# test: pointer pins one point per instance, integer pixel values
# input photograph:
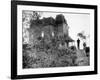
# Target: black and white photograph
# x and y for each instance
(53, 39)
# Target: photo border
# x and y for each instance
(14, 39)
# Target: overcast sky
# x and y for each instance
(77, 23)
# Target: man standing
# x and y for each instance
(78, 43)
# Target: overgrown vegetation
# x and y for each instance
(40, 56)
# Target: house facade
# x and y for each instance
(49, 28)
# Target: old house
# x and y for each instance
(49, 28)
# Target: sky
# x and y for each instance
(77, 22)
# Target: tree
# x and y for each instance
(27, 19)
(36, 15)
(81, 35)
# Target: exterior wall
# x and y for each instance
(48, 30)
(65, 29)
(36, 32)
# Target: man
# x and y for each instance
(78, 43)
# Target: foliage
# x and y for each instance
(40, 56)
(81, 35)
